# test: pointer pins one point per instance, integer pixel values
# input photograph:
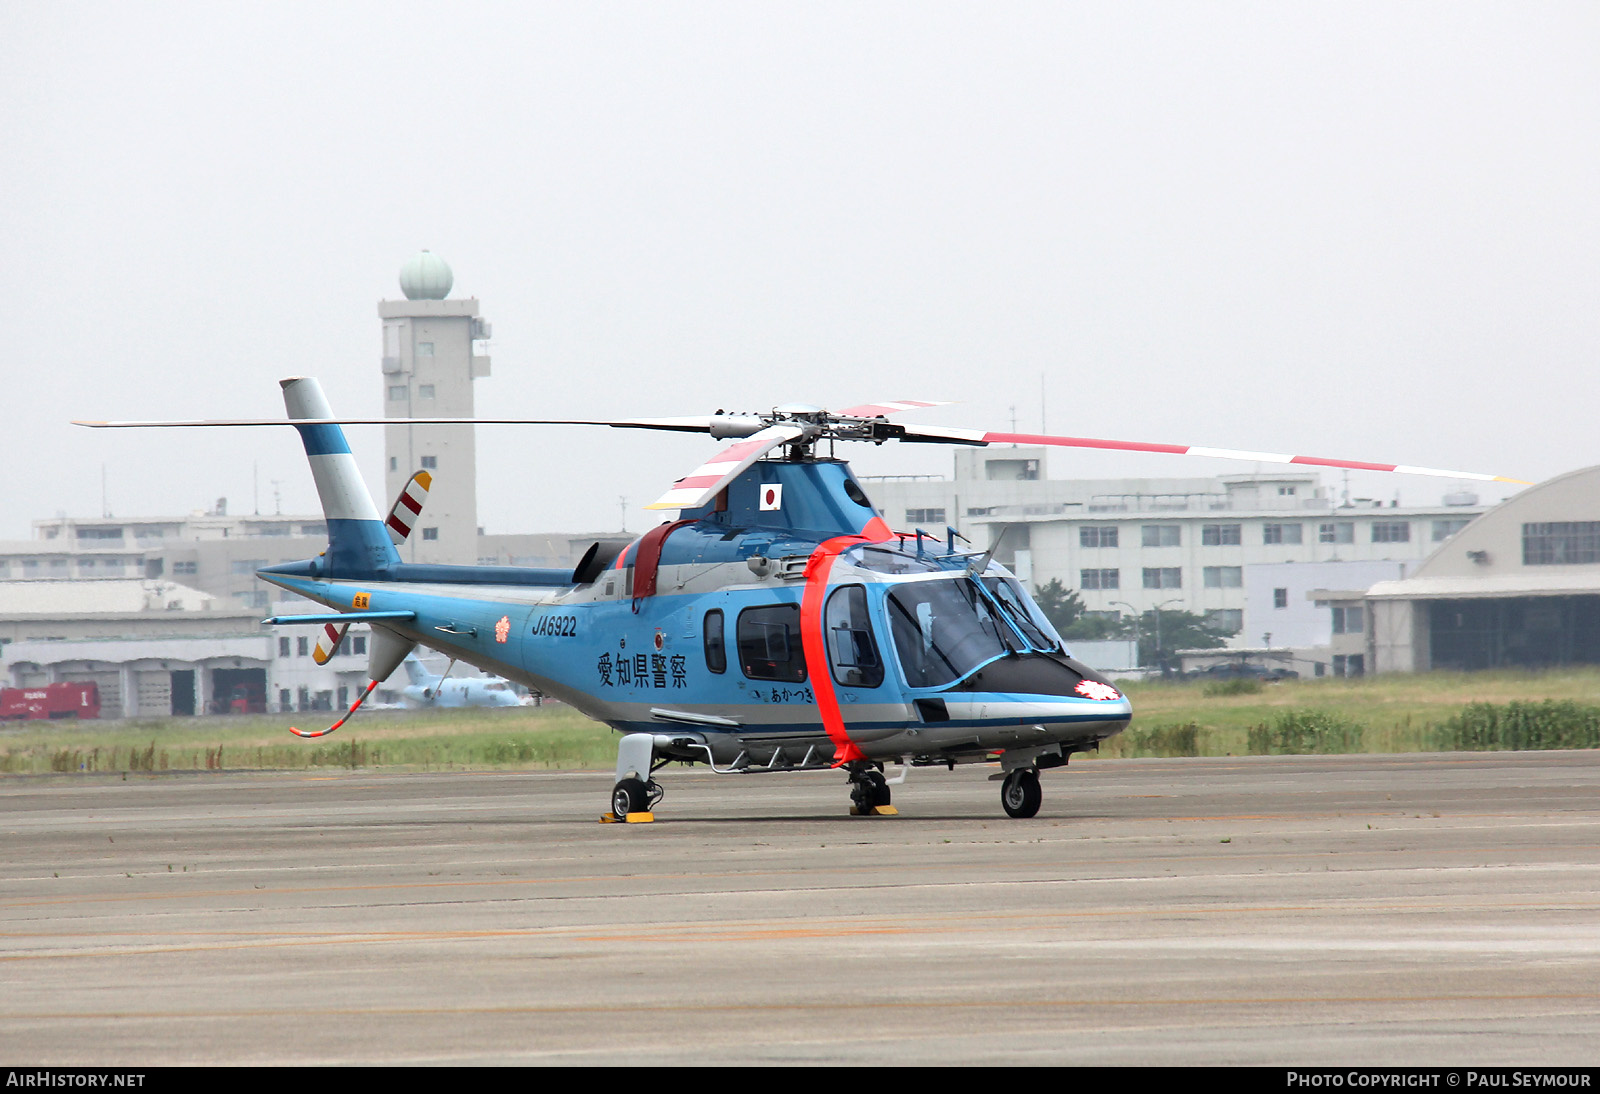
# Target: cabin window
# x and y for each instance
(851, 649)
(716, 645)
(769, 643)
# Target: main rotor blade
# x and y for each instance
(691, 424)
(702, 484)
(976, 437)
(883, 410)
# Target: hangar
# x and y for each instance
(1519, 587)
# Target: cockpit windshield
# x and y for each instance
(1020, 611)
(945, 629)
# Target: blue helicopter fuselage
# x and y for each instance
(783, 625)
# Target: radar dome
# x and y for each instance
(426, 276)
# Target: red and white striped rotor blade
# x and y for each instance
(978, 437)
(702, 484)
(883, 410)
(408, 507)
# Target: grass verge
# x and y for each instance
(1436, 712)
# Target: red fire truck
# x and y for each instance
(64, 700)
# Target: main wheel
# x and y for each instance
(1020, 794)
(880, 788)
(630, 796)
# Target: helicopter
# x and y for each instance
(778, 624)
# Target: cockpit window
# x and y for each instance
(944, 630)
(1036, 629)
(885, 559)
(852, 651)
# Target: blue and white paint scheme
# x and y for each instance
(776, 626)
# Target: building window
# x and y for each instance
(359, 645)
(1444, 529)
(1223, 577)
(1561, 543)
(1097, 537)
(394, 463)
(430, 533)
(1099, 579)
(1353, 665)
(1280, 598)
(185, 567)
(1226, 620)
(430, 463)
(100, 533)
(1349, 620)
(1342, 531)
(1163, 577)
(1280, 533)
(302, 647)
(283, 647)
(924, 516)
(1286, 491)
(397, 393)
(1220, 535)
(1391, 531)
(424, 349)
(1161, 535)
(424, 391)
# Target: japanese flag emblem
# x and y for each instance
(771, 496)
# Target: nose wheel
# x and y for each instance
(869, 793)
(1020, 794)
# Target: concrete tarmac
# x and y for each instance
(1350, 910)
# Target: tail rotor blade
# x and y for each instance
(408, 507)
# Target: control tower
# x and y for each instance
(428, 369)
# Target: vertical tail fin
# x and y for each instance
(358, 543)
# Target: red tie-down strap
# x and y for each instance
(814, 641)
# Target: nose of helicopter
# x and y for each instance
(1047, 674)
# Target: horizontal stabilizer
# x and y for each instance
(337, 617)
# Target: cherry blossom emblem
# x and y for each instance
(1094, 689)
(502, 629)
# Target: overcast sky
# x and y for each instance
(1356, 230)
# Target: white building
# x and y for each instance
(210, 551)
(1132, 545)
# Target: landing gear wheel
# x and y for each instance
(868, 790)
(880, 788)
(630, 796)
(1020, 794)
